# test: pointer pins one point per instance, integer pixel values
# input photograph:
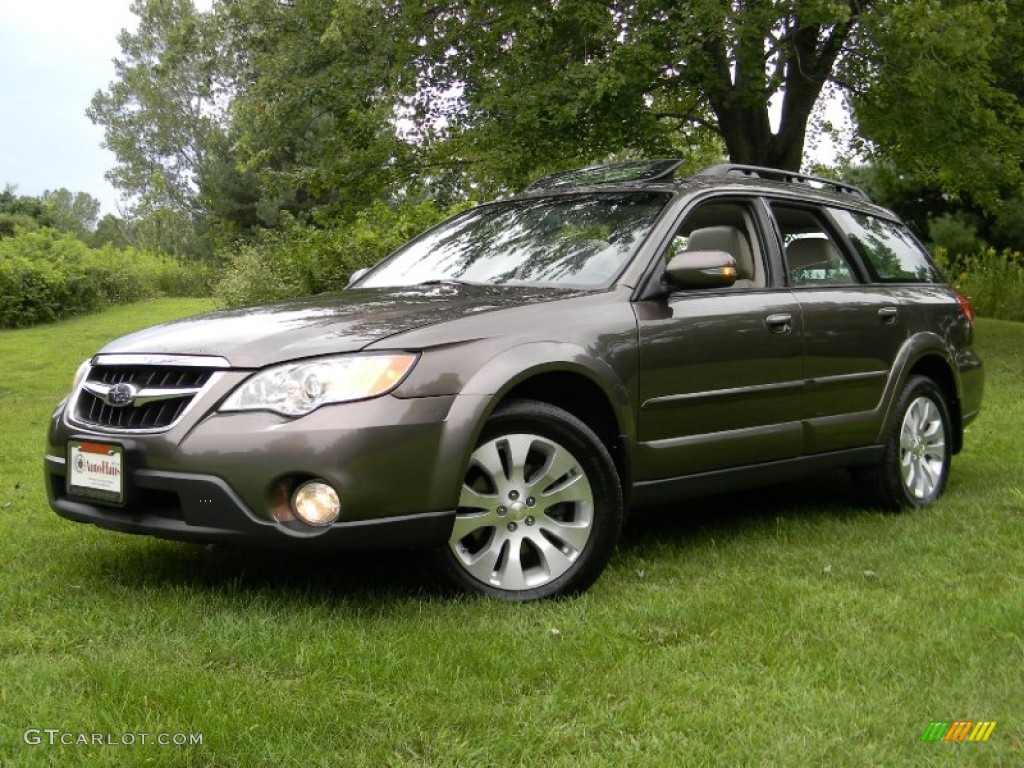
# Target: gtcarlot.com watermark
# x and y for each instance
(55, 736)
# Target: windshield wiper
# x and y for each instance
(446, 281)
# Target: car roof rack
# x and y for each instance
(790, 177)
(611, 173)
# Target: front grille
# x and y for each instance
(92, 410)
(157, 405)
(151, 376)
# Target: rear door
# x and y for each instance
(853, 328)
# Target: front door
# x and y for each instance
(721, 378)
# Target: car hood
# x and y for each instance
(347, 321)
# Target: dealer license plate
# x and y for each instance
(96, 470)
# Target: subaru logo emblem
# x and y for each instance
(120, 395)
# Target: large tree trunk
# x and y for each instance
(742, 91)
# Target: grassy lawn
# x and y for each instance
(785, 627)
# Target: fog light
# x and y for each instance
(316, 503)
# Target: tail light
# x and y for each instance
(965, 305)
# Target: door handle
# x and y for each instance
(779, 323)
(888, 315)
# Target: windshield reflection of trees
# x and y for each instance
(550, 241)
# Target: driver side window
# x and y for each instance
(723, 227)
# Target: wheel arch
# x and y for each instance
(565, 376)
(926, 355)
(578, 394)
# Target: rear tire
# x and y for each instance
(540, 510)
(915, 467)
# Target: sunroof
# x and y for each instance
(614, 173)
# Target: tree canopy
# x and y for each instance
(258, 113)
(75, 213)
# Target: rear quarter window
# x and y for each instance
(889, 252)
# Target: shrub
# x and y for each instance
(299, 260)
(955, 233)
(47, 275)
(994, 281)
(252, 277)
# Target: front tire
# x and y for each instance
(540, 509)
(915, 467)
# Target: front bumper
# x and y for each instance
(396, 464)
(203, 508)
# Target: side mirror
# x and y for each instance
(702, 269)
(355, 276)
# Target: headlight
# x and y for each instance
(295, 389)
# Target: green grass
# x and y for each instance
(783, 627)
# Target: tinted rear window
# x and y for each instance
(888, 250)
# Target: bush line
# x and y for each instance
(47, 275)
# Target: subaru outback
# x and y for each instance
(500, 390)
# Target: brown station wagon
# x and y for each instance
(502, 388)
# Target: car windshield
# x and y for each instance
(570, 242)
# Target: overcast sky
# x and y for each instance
(54, 55)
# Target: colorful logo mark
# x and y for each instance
(961, 730)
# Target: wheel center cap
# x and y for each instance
(516, 511)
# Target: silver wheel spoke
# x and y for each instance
(920, 480)
(560, 463)
(482, 564)
(577, 489)
(574, 535)
(488, 460)
(466, 524)
(511, 575)
(518, 450)
(906, 440)
(553, 558)
(473, 499)
(930, 471)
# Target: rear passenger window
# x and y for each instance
(812, 256)
(889, 251)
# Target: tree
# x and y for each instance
(72, 212)
(114, 230)
(61, 209)
(588, 78)
(539, 82)
(166, 106)
(18, 212)
(937, 90)
(313, 129)
(315, 108)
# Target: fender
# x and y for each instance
(918, 347)
(502, 373)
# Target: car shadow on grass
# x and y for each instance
(828, 496)
(145, 563)
(149, 563)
